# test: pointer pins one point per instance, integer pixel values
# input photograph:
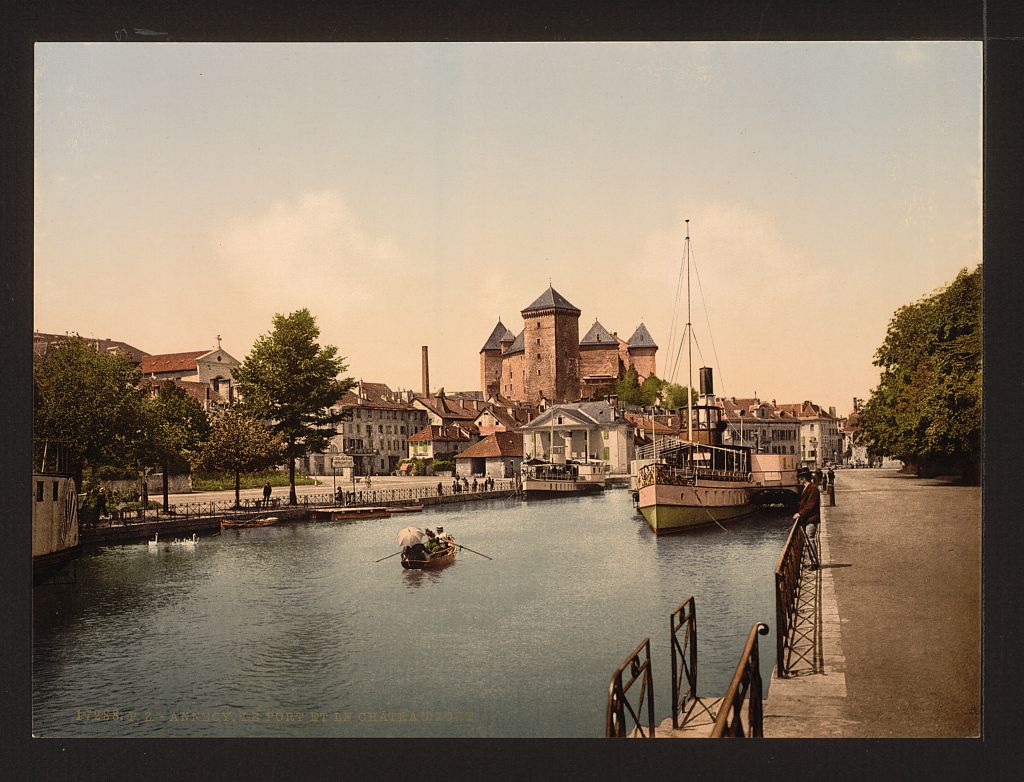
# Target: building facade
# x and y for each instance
(582, 431)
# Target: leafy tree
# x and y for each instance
(175, 424)
(238, 443)
(90, 402)
(291, 381)
(650, 391)
(926, 409)
(673, 396)
(628, 389)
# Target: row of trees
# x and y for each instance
(926, 410)
(99, 408)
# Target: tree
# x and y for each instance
(926, 409)
(291, 381)
(650, 391)
(175, 424)
(628, 389)
(238, 443)
(90, 402)
(673, 396)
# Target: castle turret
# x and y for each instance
(490, 359)
(642, 350)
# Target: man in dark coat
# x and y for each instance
(266, 494)
(809, 516)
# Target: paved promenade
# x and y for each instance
(899, 613)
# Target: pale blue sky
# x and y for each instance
(409, 194)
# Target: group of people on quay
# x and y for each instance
(463, 485)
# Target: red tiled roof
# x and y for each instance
(433, 434)
(644, 423)
(170, 362)
(497, 444)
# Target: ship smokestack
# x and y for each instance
(707, 385)
(426, 374)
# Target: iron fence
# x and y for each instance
(619, 706)
(787, 598)
(686, 703)
(744, 690)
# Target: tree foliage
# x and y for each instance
(90, 402)
(291, 381)
(238, 443)
(673, 396)
(653, 391)
(926, 410)
(174, 424)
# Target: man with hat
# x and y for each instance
(809, 515)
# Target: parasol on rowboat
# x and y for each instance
(410, 536)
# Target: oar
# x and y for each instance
(467, 548)
(389, 556)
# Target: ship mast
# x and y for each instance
(689, 345)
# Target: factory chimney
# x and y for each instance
(426, 374)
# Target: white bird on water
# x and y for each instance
(187, 542)
(153, 543)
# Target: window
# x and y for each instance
(55, 490)
(39, 491)
(538, 340)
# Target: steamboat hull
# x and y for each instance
(669, 508)
(535, 489)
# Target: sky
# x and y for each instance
(412, 194)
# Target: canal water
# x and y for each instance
(295, 631)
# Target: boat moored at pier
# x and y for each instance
(543, 479)
(55, 542)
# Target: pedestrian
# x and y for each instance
(440, 489)
(474, 484)
(266, 494)
(819, 476)
(831, 477)
(101, 503)
(809, 516)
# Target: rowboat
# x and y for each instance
(437, 559)
(266, 521)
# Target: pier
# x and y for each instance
(884, 640)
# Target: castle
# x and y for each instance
(548, 360)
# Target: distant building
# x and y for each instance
(377, 434)
(438, 442)
(206, 375)
(583, 431)
(547, 360)
(499, 455)
(820, 438)
(761, 426)
(41, 343)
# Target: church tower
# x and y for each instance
(551, 343)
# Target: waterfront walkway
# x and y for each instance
(899, 611)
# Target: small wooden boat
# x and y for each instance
(345, 514)
(265, 521)
(437, 559)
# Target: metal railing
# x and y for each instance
(686, 704)
(794, 606)
(744, 690)
(619, 706)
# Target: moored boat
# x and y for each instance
(543, 479)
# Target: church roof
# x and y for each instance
(641, 338)
(499, 333)
(518, 346)
(551, 299)
(598, 335)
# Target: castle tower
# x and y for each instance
(599, 362)
(490, 359)
(642, 350)
(551, 343)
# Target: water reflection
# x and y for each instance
(300, 618)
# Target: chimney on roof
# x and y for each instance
(773, 403)
(426, 374)
(832, 411)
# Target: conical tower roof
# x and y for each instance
(598, 335)
(499, 333)
(519, 345)
(641, 338)
(551, 299)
